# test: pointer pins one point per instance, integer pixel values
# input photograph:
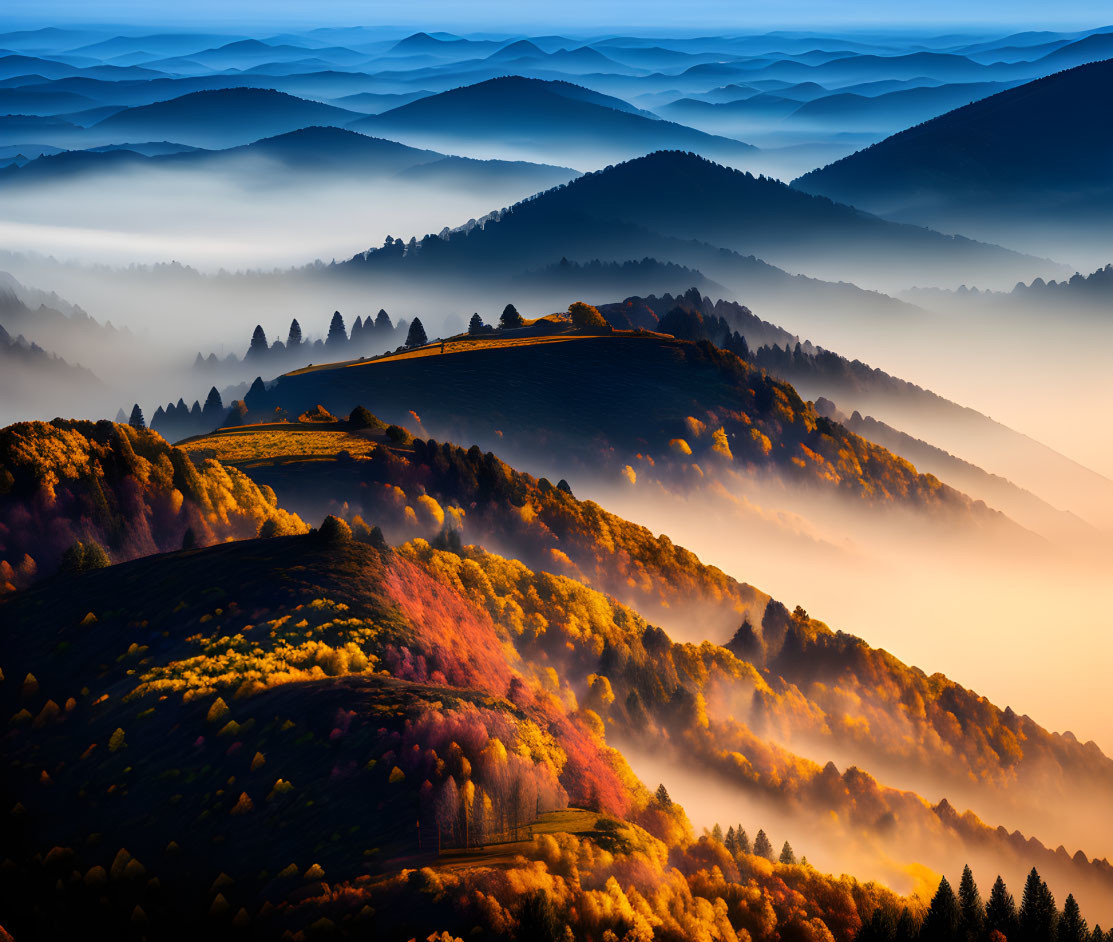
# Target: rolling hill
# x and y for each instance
(699, 209)
(283, 686)
(220, 118)
(618, 400)
(985, 163)
(301, 156)
(526, 118)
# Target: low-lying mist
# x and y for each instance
(907, 858)
(259, 216)
(982, 608)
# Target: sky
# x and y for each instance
(624, 15)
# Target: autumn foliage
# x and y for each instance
(120, 487)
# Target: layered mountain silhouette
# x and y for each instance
(305, 154)
(221, 118)
(528, 118)
(699, 209)
(281, 686)
(1042, 149)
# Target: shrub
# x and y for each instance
(316, 415)
(361, 418)
(585, 317)
(82, 557)
(398, 435)
(335, 530)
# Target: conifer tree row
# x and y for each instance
(964, 918)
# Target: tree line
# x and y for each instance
(737, 841)
(367, 336)
(965, 918)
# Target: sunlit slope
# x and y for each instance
(836, 696)
(124, 489)
(610, 401)
(281, 781)
(336, 694)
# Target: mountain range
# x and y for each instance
(709, 218)
(301, 156)
(982, 165)
(529, 118)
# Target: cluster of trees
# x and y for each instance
(177, 421)
(737, 841)
(510, 319)
(368, 336)
(643, 687)
(118, 490)
(479, 782)
(964, 917)
(18, 350)
(694, 316)
(1096, 287)
(417, 492)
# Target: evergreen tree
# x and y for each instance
(907, 930)
(787, 856)
(882, 927)
(1038, 913)
(259, 346)
(1072, 927)
(416, 336)
(1000, 911)
(717, 833)
(377, 540)
(731, 841)
(136, 420)
(762, 847)
(510, 318)
(1098, 936)
(382, 322)
(121, 418)
(334, 530)
(256, 394)
(293, 339)
(475, 325)
(943, 919)
(970, 906)
(73, 559)
(337, 334)
(95, 556)
(213, 410)
(743, 841)
(662, 796)
(195, 412)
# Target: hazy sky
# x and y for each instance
(627, 15)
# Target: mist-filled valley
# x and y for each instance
(554, 482)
